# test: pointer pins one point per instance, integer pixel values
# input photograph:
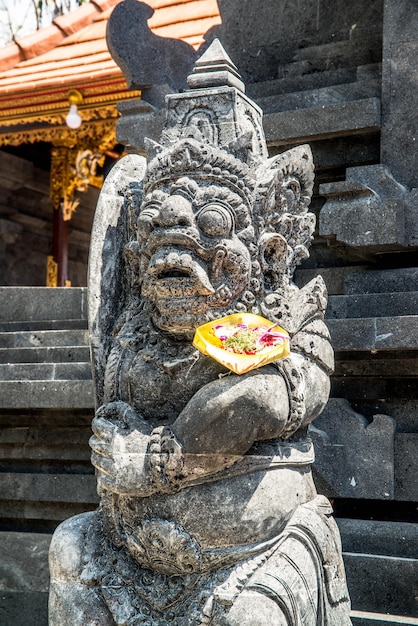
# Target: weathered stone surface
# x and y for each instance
(208, 508)
(322, 122)
(369, 473)
(399, 74)
(39, 394)
(41, 303)
(71, 337)
(20, 571)
(375, 578)
(383, 281)
(45, 354)
(373, 305)
(381, 333)
(406, 484)
(366, 210)
(39, 488)
(397, 539)
(26, 371)
(24, 605)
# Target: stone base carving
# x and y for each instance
(166, 578)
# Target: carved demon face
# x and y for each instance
(195, 261)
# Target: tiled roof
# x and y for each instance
(73, 51)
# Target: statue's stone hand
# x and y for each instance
(119, 449)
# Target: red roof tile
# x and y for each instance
(73, 49)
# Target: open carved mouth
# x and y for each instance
(177, 273)
(174, 273)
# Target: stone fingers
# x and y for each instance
(104, 465)
(103, 429)
(99, 447)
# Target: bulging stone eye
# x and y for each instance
(215, 221)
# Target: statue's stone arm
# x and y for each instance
(216, 428)
(218, 425)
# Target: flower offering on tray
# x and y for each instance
(242, 341)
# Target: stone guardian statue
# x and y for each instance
(208, 513)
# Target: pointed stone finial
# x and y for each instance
(215, 69)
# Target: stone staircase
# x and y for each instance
(46, 406)
(367, 437)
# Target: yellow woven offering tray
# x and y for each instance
(242, 341)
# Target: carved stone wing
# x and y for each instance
(110, 278)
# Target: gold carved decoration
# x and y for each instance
(75, 156)
(63, 134)
(51, 272)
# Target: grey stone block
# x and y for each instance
(397, 333)
(335, 278)
(24, 578)
(320, 97)
(382, 584)
(75, 394)
(369, 473)
(372, 367)
(26, 371)
(366, 210)
(323, 122)
(21, 608)
(383, 333)
(139, 121)
(24, 561)
(406, 467)
(45, 371)
(397, 539)
(400, 74)
(349, 335)
(49, 514)
(373, 305)
(381, 281)
(45, 355)
(42, 303)
(49, 488)
(44, 338)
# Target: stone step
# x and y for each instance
(41, 325)
(49, 354)
(59, 488)
(382, 281)
(43, 338)
(397, 539)
(42, 303)
(373, 305)
(320, 96)
(46, 394)
(294, 77)
(382, 584)
(78, 370)
(364, 618)
(19, 444)
(373, 334)
(351, 280)
(324, 121)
